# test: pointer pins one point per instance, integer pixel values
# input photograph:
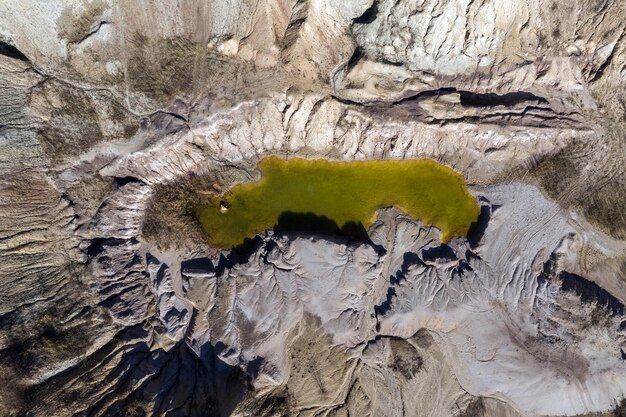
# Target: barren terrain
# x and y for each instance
(116, 117)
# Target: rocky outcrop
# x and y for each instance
(107, 106)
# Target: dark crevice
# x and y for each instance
(426, 94)
(197, 265)
(462, 268)
(393, 64)
(368, 16)
(478, 228)
(121, 181)
(168, 122)
(241, 253)
(357, 55)
(409, 259)
(93, 32)
(96, 246)
(471, 99)
(548, 270)
(299, 14)
(589, 292)
(598, 74)
(380, 337)
(347, 101)
(608, 61)
(382, 308)
(12, 52)
(176, 116)
(441, 252)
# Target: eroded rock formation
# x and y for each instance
(115, 116)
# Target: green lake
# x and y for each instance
(338, 196)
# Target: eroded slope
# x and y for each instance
(106, 106)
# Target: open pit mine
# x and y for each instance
(312, 208)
